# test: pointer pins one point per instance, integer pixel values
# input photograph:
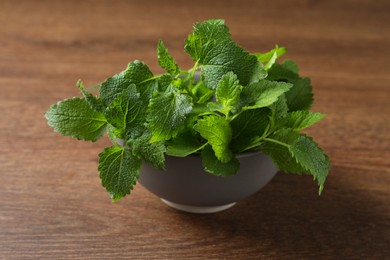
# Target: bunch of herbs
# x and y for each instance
(241, 102)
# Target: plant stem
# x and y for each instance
(193, 70)
(260, 140)
(189, 92)
(152, 78)
(254, 145)
(93, 87)
(276, 142)
(188, 87)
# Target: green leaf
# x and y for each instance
(299, 120)
(216, 130)
(126, 110)
(270, 57)
(136, 73)
(112, 87)
(263, 93)
(94, 102)
(309, 158)
(153, 153)
(118, 170)
(113, 134)
(282, 157)
(198, 111)
(165, 60)
(202, 92)
(300, 96)
(167, 114)
(247, 126)
(291, 65)
(228, 93)
(222, 57)
(210, 45)
(184, 145)
(164, 83)
(279, 107)
(213, 165)
(279, 72)
(204, 33)
(75, 118)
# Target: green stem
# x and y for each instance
(189, 92)
(260, 140)
(227, 116)
(276, 142)
(188, 87)
(93, 87)
(192, 73)
(254, 145)
(183, 72)
(193, 70)
(152, 78)
(265, 132)
(235, 115)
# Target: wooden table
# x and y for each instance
(52, 205)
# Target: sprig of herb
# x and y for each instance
(242, 102)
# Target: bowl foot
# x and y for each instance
(198, 209)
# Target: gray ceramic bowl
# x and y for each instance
(185, 186)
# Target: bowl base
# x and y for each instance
(198, 209)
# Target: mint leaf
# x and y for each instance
(198, 111)
(299, 120)
(213, 165)
(184, 145)
(94, 102)
(222, 57)
(291, 66)
(282, 156)
(270, 57)
(300, 96)
(210, 45)
(113, 134)
(279, 72)
(167, 114)
(126, 110)
(204, 33)
(217, 132)
(228, 93)
(263, 93)
(165, 60)
(136, 73)
(164, 82)
(153, 153)
(279, 108)
(309, 158)
(247, 126)
(202, 93)
(118, 170)
(113, 87)
(75, 118)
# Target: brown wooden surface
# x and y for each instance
(52, 204)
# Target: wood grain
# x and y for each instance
(52, 205)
